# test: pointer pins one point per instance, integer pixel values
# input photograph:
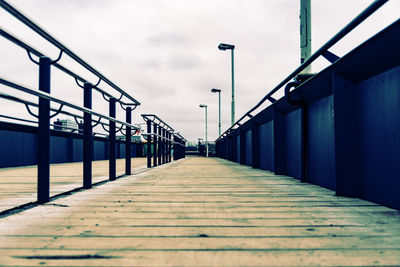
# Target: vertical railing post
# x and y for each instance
(148, 144)
(128, 141)
(112, 159)
(169, 146)
(171, 136)
(159, 145)
(164, 155)
(162, 146)
(155, 145)
(175, 148)
(43, 183)
(87, 137)
(168, 152)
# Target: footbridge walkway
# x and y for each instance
(203, 212)
(298, 181)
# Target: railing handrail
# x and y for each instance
(30, 103)
(338, 36)
(28, 22)
(180, 136)
(17, 41)
(63, 102)
(155, 117)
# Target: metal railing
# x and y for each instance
(45, 99)
(63, 49)
(323, 51)
(161, 137)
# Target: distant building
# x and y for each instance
(65, 125)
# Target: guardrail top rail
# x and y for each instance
(63, 49)
(181, 137)
(320, 52)
(155, 119)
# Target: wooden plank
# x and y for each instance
(179, 214)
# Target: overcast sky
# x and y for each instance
(164, 52)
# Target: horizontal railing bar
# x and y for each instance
(28, 22)
(34, 51)
(157, 135)
(23, 101)
(78, 131)
(343, 32)
(162, 137)
(180, 136)
(54, 99)
(147, 117)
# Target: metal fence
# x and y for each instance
(162, 142)
(45, 98)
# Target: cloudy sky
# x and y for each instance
(164, 52)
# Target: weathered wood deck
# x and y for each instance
(203, 212)
(18, 185)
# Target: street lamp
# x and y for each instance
(205, 106)
(224, 47)
(214, 90)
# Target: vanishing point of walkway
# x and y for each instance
(202, 212)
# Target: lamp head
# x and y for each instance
(223, 46)
(202, 105)
(214, 90)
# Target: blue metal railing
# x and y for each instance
(320, 52)
(63, 49)
(44, 108)
(162, 138)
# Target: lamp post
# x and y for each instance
(305, 33)
(205, 106)
(224, 47)
(214, 90)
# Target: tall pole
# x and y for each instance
(305, 33)
(206, 135)
(233, 90)
(219, 113)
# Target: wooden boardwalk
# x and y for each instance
(18, 185)
(203, 212)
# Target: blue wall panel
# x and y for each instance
(266, 141)
(321, 143)
(59, 149)
(23, 146)
(248, 148)
(122, 150)
(225, 153)
(379, 137)
(99, 147)
(78, 150)
(293, 143)
(237, 140)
